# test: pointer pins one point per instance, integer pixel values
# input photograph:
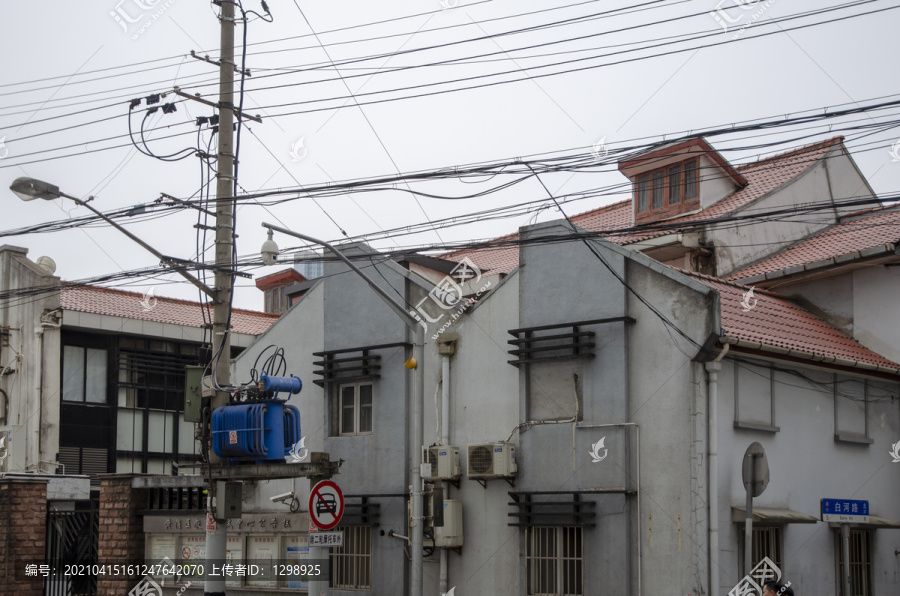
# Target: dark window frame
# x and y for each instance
(356, 409)
(655, 196)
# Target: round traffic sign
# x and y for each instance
(326, 504)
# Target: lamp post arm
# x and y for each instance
(398, 308)
(206, 289)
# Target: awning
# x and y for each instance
(773, 516)
(875, 522)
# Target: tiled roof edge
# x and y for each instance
(735, 341)
(795, 152)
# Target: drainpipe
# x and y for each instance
(446, 350)
(712, 369)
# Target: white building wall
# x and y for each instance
(862, 303)
(807, 464)
(31, 350)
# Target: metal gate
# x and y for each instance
(72, 540)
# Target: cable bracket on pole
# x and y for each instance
(212, 104)
(206, 58)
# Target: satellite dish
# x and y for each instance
(47, 264)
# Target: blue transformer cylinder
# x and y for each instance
(255, 432)
(292, 385)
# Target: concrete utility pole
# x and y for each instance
(216, 540)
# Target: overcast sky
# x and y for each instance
(52, 49)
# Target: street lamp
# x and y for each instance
(269, 250)
(29, 189)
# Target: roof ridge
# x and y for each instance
(793, 152)
(728, 282)
(602, 208)
(67, 285)
(884, 208)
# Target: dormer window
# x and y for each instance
(667, 191)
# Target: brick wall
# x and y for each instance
(121, 539)
(23, 520)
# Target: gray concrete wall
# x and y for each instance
(807, 464)
(832, 179)
(32, 418)
(342, 311)
(668, 401)
(640, 373)
(484, 408)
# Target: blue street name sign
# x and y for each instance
(845, 511)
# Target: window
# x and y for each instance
(84, 374)
(351, 564)
(675, 184)
(643, 193)
(665, 191)
(851, 410)
(355, 409)
(690, 180)
(554, 561)
(659, 188)
(277, 300)
(150, 432)
(860, 562)
(766, 543)
(754, 395)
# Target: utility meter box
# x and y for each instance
(228, 500)
(450, 535)
(193, 393)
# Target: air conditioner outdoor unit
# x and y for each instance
(450, 535)
(444, 462)
(491, 460)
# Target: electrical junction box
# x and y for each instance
(193, 393)
(228, 500)
(450, 535)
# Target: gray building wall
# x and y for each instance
(643, 373)
(834, 178)
(31, 417)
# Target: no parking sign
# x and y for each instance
(326, 504)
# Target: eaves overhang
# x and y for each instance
(875, 255)
(801, 355)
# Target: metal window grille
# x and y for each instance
(351, 564)
(766, 543)
(554, 565)
(860, 562)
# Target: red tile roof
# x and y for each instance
(853, 234)
(285, 277)
(763, 177)
(130, 305)
(777, 322)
